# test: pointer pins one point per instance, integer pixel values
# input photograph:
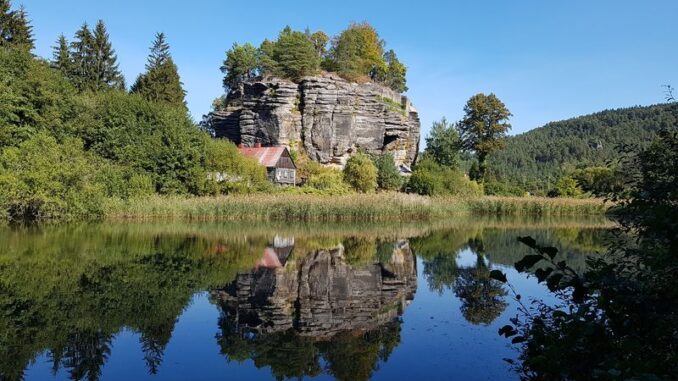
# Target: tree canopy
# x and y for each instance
(15, 29)
(484, 126)
(356, 54)
(161, 81)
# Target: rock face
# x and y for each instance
(330, 117)
(321, 295)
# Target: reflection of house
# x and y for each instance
(277, 160)
(319, 294)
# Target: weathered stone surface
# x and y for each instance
(321, 295)
(331, 117)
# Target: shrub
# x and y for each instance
(388, 175)
(329, 181)
(228, 171)
(498, 188)
(157, 139)
(566, 187)
(361, 173)
(432, 179)
(42, 179)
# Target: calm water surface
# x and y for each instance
(218, 301)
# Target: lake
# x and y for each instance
(217, 301)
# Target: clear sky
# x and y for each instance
(547, 60)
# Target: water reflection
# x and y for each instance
(298, 302)
(288, 314)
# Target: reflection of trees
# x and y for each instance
(482, 297)
(85, 354)
(348, 355)
(70, 297)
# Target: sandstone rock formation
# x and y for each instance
(321, 295)
(329, 116)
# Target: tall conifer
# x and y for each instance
(161, 81)
(82, 54)
(15, 29)
(61, 56)
(105, 61)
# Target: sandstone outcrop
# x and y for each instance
(328, 116)
(321, 295)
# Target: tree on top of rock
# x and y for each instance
(357, 53)
(295, 54)
(161, 81)
(15, 29)
(240, 65)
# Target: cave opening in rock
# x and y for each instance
(389, 139)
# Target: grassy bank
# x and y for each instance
(375, 207)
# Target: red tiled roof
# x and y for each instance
(269, 260)
(266, 156)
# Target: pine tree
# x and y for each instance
(5, 22)
(83, 75)
(106, 72)
(15, 29)
(61, 57)
(161, 81)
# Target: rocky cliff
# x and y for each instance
(329, 116)
(321, 295)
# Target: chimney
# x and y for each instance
(257, 145)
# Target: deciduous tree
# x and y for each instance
(484, 126)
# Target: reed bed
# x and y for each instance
(536, 206)
(350, 208)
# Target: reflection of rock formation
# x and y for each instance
(321, 294)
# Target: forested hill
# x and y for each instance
(536, 159)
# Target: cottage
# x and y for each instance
(277, 160)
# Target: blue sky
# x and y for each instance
(547, 60)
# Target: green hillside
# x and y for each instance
(536, 159)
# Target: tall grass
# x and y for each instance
(355, 208)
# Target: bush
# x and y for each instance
(388, 175)
(431, 179)
(329, 181)
(497, 188)
(228, 171)
(33, 98)
(566, 187)
(42, 179)
(361, 173)
(122, 182)
(157, 139)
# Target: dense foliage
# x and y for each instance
(618, 317)
(71, 137)
(356, 54)
(161, 81)
(361, 173)
(432, 179)
(483, 128)
(535, 160)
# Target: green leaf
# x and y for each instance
(529, 241)
(550, 251)
(498, 275)
(527, 262)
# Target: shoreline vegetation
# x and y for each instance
(350, 208)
